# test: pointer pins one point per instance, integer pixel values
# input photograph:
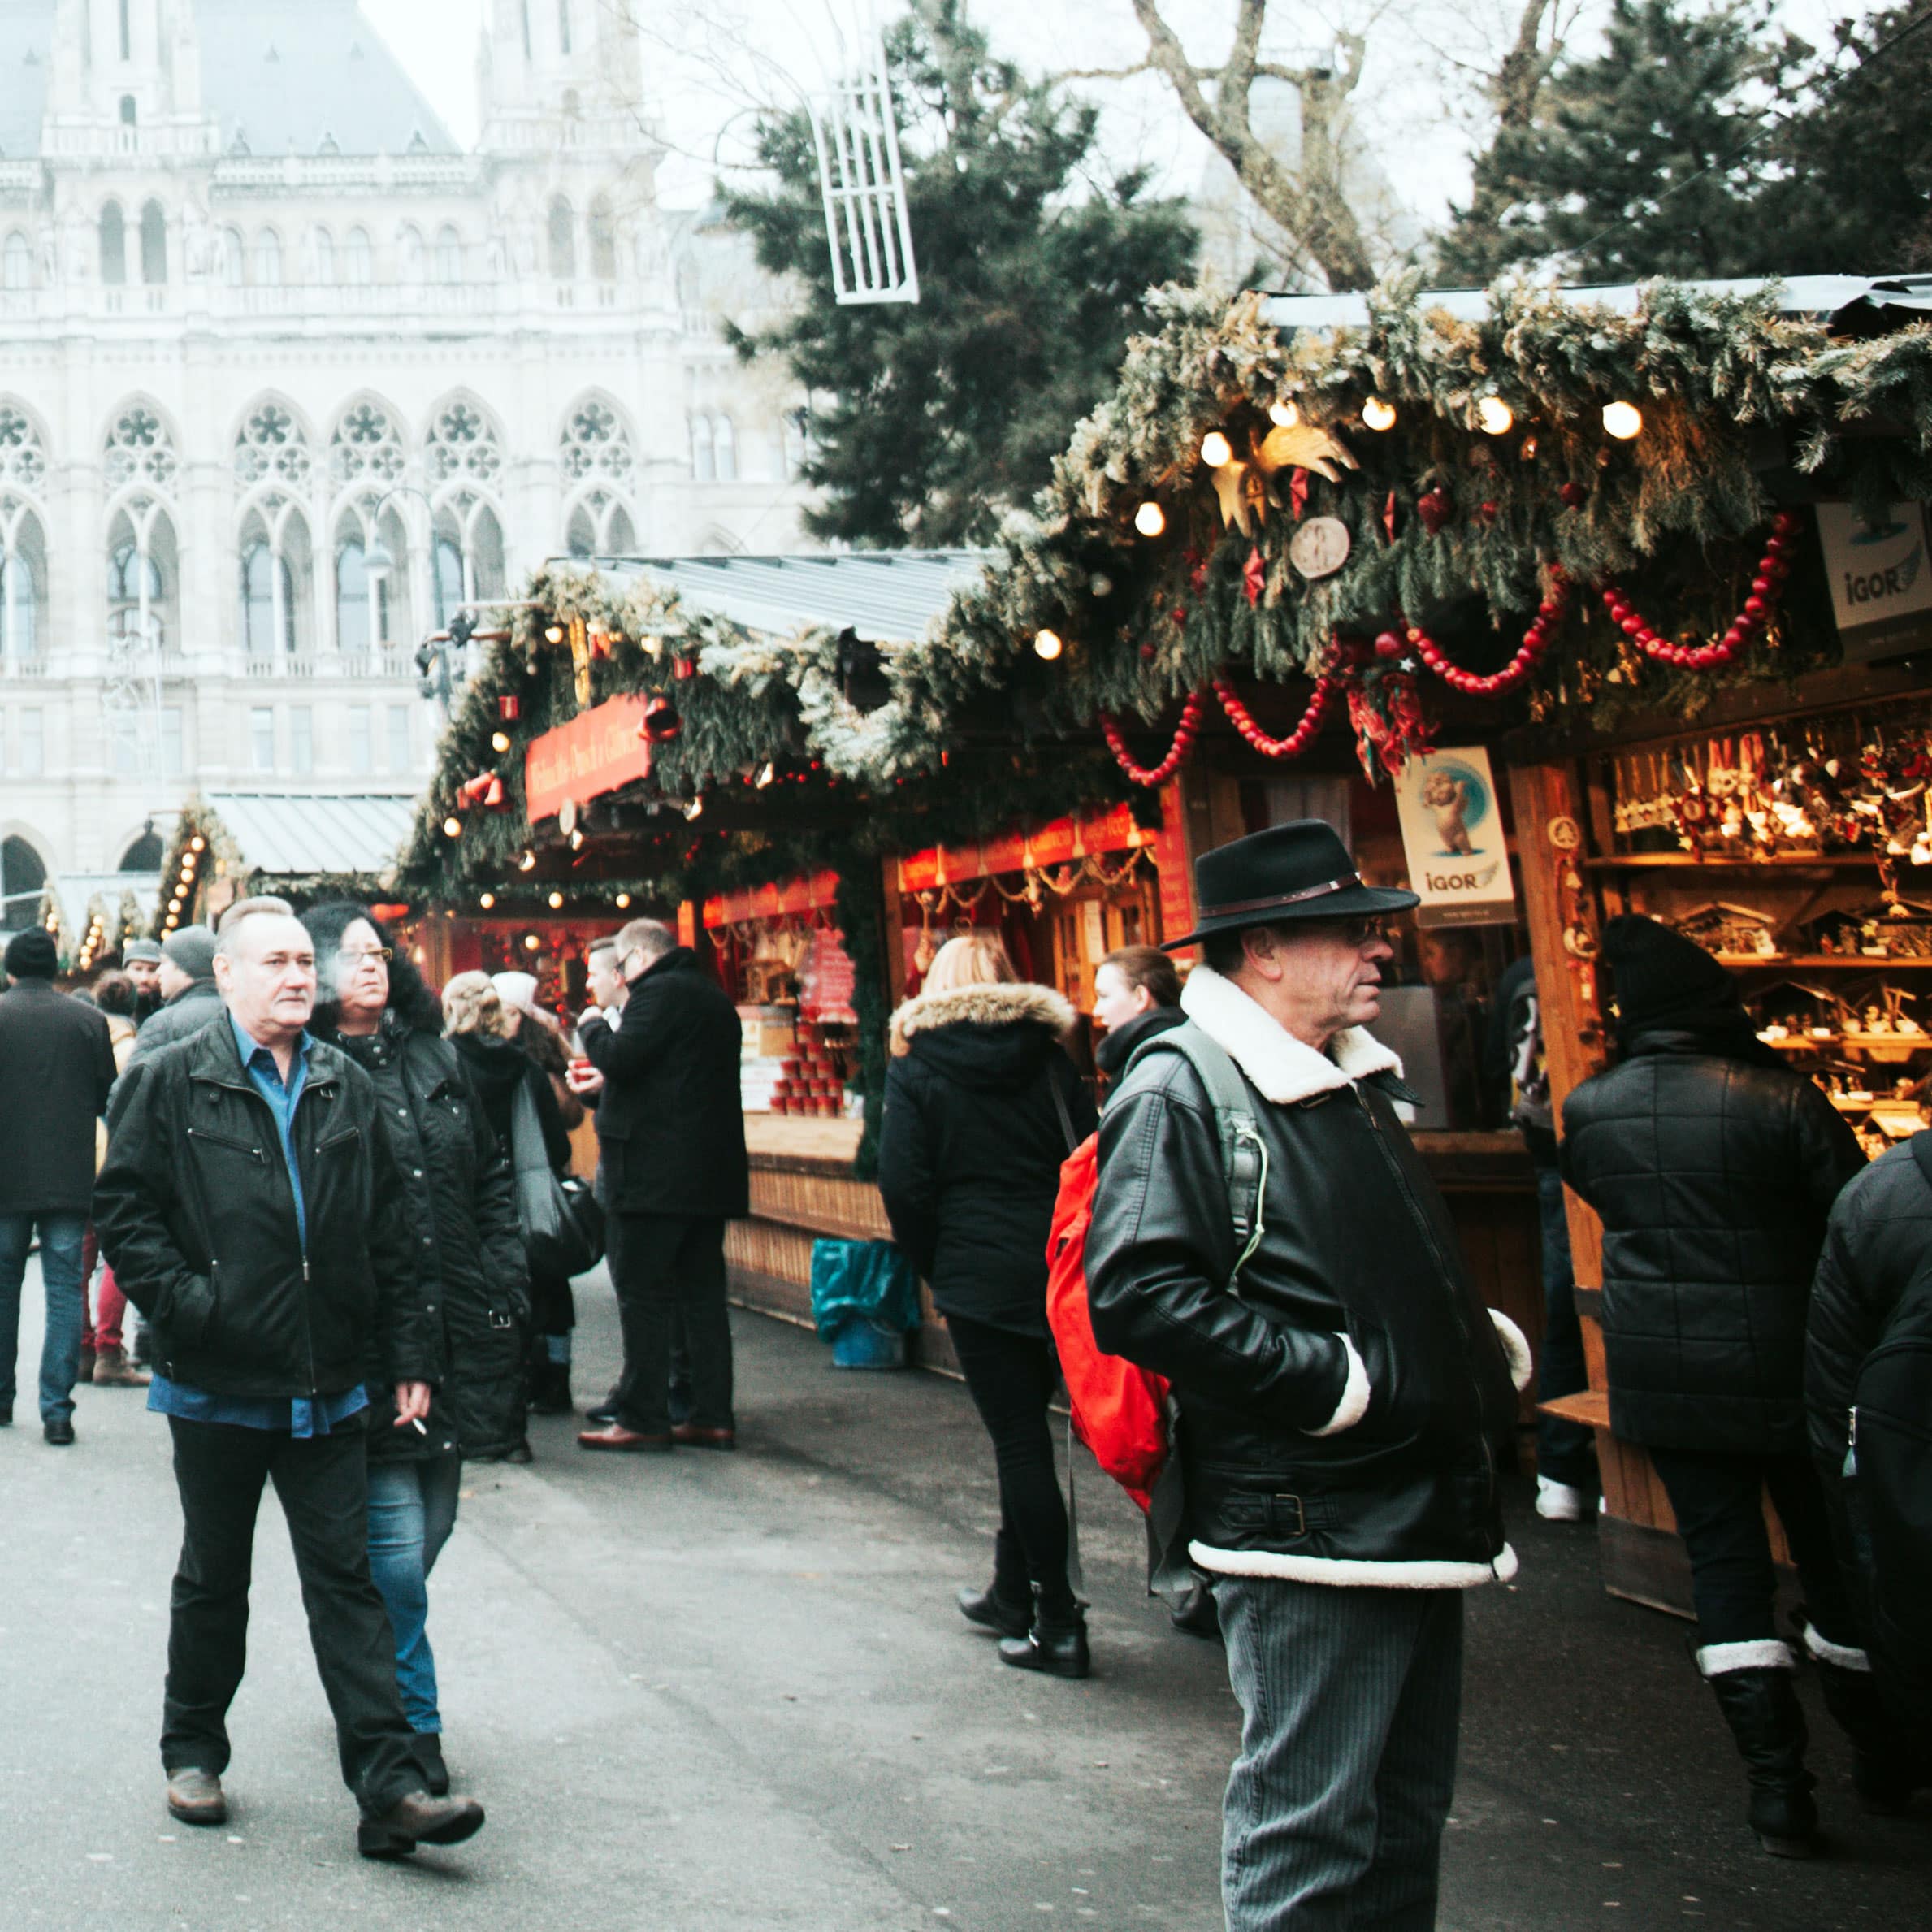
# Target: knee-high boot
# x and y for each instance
(1886, 1768)
(1762, 1708)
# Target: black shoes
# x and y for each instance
(195, 1797)
(59, 1432)
(429, 1754)
(1761, 1708)
(1010, 1617)
(419, 1820)
(550, 1389)
(605, 1413)
(1058, 1648)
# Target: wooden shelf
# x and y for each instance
(1589, 1406)
(1861, 1042)
(1696, 862)
(1751, 962)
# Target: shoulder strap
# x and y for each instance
(1243, 1153)
(1059, 1106)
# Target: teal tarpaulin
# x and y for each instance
(871, 1279)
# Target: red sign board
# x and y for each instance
(1050, 845)
(1170, 862)
(811, 894)
(597, 752)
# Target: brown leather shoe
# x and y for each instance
(693, 1437)
(113, 1370)
(419, 1820)
(195, 1797)
(616, 1436)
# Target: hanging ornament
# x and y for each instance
(1490, 510)
(1320, 547)
(509, 707)
(660, 721)
(1298, 493)
(1232, 495)
(1304, 445)
(1253, 576)
(1767, 584)
(1574, 495)
(1435, 508)
(1196, 571)
(494, 795)
(683, 669)
(1177, 751)
(1388, 516)
(1389, 645)
(471, 790)
(1298, 740)
(1535, 643)
(1389, 724)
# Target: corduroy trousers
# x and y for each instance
(1350, 1701)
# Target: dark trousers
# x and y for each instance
(1718, 1500)
(666, 1268)
(1011, 1379)
(322, 1484)
(1350, 1701)
(1565, 1451)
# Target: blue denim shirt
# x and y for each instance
(301, 1417)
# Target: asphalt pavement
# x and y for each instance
(725, 1693)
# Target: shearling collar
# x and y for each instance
(981, 1005)
(1285, 1069)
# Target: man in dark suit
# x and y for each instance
(672, 1129)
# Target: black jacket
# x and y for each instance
(1713, 1177)
(971, 1143)
(671, 1120)
(1367, 1461)
(496, 1069)
(196, 1217)
(457, 1182)
(1116, 1046)
(180, 1019)
(56, 1071)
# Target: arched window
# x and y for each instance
(145, 854)
(154, 245)
(130, 110)
(447, 570)
(362, 603)
(268, 259)
(461, 443)
(270, 443)
(23, 879)
(139, 450)
(259, 568)
(449, 255)
(234, 254)
(361, 258)
(604, 241)
(408, 255)
(124, 584)
(703, 457)
(23, 586)
(322, 255)
(19, 261)
(114, 246)
(563, 240)
(563, 26)
(365, 448)
(726, 439)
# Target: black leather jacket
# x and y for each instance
(1399, 1485)
(196, 1217)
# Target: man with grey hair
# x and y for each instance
(252, 1210)
(671, 1126)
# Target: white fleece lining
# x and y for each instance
(1828, 1653)
(1760, 1653)
(1516, 1346)
(1347, 1572)
(1354, 1404)
(1283, 1069)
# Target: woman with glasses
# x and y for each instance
(372, 1004)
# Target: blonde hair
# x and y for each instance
(471, 1004)
(977, 959)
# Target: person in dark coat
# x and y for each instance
(56, 1072)
(1137, 994)
(461, 1204)
(981, 1106)
(185, 978)
(671, 1124)
(1714, 1168)
(1874, 1285)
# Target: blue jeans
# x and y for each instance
(1565, 1451)
(63, 1236)
(412, 1509)
(1350, 1700)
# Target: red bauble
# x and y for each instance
(1177, 751)
(1388, 644)
(1574, 495)
(1435, 508)
(660, 721)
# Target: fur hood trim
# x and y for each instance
(1516, 1348)
(1285, 1069)
(982, 1006)
(1355, 1573)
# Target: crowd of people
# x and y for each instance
(339, 1205)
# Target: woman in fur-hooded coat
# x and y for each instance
(981, 1106)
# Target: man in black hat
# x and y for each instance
(1342, 1387)
(56, 1068)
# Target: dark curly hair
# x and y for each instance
(413, 1003)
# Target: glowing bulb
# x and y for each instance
(197, 843)
(623, 902)
(766, 776)
(499, 741)
(1216, 449)
(528, 861)
(553, 633)
(486, 900)
(694, 809)
(174, 905)
(531, 942)
(1047, 644)
(453, 827)
(1622, 420)
(1378, 414)
(1284, 415)
(1150, 519)
(577, 840)
(557, 901)
(1495, 416)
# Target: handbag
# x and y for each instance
(561, 1224)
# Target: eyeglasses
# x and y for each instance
(1363, 929)
(355, 956)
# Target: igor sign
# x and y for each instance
(1453, 833)
(1881, 587)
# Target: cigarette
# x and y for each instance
(416, 1424)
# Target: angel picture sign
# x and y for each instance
(1453, 834)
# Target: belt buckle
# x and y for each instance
(1301, 1528)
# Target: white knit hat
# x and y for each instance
(518, 990)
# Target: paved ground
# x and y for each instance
(724, 1694)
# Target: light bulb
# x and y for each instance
(557, 901)
(1284, 415)
(553, 633)
(453, 827)
(694, 809)
(499, 741)
(1150, 519)
(577, 840)
(623, 902)
(1046, 645)
(528, 861)
(1216, 449)
(197, 843)
(1495, 416)
(1622, 420)
(765, 775)
(1378, 414)
(486, 900)
(531, 942)
(174, 905)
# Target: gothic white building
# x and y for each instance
(259, 313)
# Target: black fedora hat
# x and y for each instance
(1301, 870)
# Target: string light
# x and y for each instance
(1284, 415)
(1216, 449)
(527, 861)
(1046, 645)
(694, 809)
(486, 900)
(577, 840)
(531, 942)
(1495, 416)
(1622, 420)
(553, 633)
(499, 741)
(623, 902)
(557, 901)
(1150, 519)
(1378, 413)
(765, 775)
(453, 827)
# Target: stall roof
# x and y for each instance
(291, 833)
(1821, 297)
(76, 891)
(885, 596)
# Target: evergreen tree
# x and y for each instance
(929, 419)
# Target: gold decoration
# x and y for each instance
(1305, 446)
(580, 660)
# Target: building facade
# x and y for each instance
(286, 374)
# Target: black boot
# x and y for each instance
(550, 1390)
(1885, 1770)
(1761, 1708)
(992, 1610)
(1057, 1644)
(429, 1755)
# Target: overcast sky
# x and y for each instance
(709, 60)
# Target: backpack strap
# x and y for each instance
(1243, 1153)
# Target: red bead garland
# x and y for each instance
(1766, 582)
(1298, 740)
(1536, 641)
(1184, 743)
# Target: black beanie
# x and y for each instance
(1663, 979)
(32, 954)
